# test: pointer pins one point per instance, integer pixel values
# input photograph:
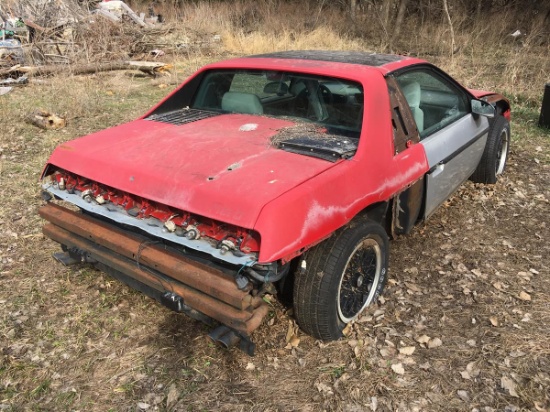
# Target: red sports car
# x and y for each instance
(278, 172)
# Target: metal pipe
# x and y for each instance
(229, 339)
(224, 336)
(199, 276)
(245, 321)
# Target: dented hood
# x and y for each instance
(222, 167)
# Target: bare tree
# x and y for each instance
(446, 8)
(352, 8)
(401, 11)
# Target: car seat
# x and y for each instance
(239, 102)
(412, 92)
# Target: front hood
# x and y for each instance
(222, 167)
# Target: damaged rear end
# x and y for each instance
(187, 204)
(189, 263)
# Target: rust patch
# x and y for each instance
(405, 132)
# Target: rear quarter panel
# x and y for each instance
(314, 210)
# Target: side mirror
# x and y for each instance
(483, 108)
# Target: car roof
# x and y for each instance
(337, 60)
(352, 57)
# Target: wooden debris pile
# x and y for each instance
(80, 37)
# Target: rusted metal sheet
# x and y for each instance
(406, 208)
(244, 321)
(405, 132)
(199, 276)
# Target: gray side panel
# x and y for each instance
(453, 154)
(447, 177)
(449, 140)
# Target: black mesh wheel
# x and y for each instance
(342, 277)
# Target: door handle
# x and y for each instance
(438, 169)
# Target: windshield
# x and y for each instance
(331, 103)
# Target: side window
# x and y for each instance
(434, 101)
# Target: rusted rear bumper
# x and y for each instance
(203, 288)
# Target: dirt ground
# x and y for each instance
(463, 324)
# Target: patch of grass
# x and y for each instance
(42, 388)
(66, 399)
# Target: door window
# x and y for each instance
(435, 102)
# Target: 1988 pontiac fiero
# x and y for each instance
(285, 171)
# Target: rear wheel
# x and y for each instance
(493, 161)
(342, 276)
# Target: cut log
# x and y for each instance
(152, 68)
(45, 120)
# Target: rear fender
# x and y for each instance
(377, 212)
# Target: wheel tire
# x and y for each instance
(332, 290)
(493, 161)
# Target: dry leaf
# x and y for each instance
(509, 385)
(474, 373)
(465, 375)
(385, 352)
(412, 287)
(323, 387)
(347, 329)
(498, 286)
(373, 403)
(398, 368)
(540, 407)
(524, 296)
(407, 350)
(290, 331)
(525, 275)
(250, 366)
(423, 339)
(294, 341)
(172, 396)
(493, 320)
(378, 312)
(434, 343)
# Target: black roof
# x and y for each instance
(353, 57)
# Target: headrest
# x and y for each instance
(411, 90)
(242, 103)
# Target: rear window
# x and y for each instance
(332, 103)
